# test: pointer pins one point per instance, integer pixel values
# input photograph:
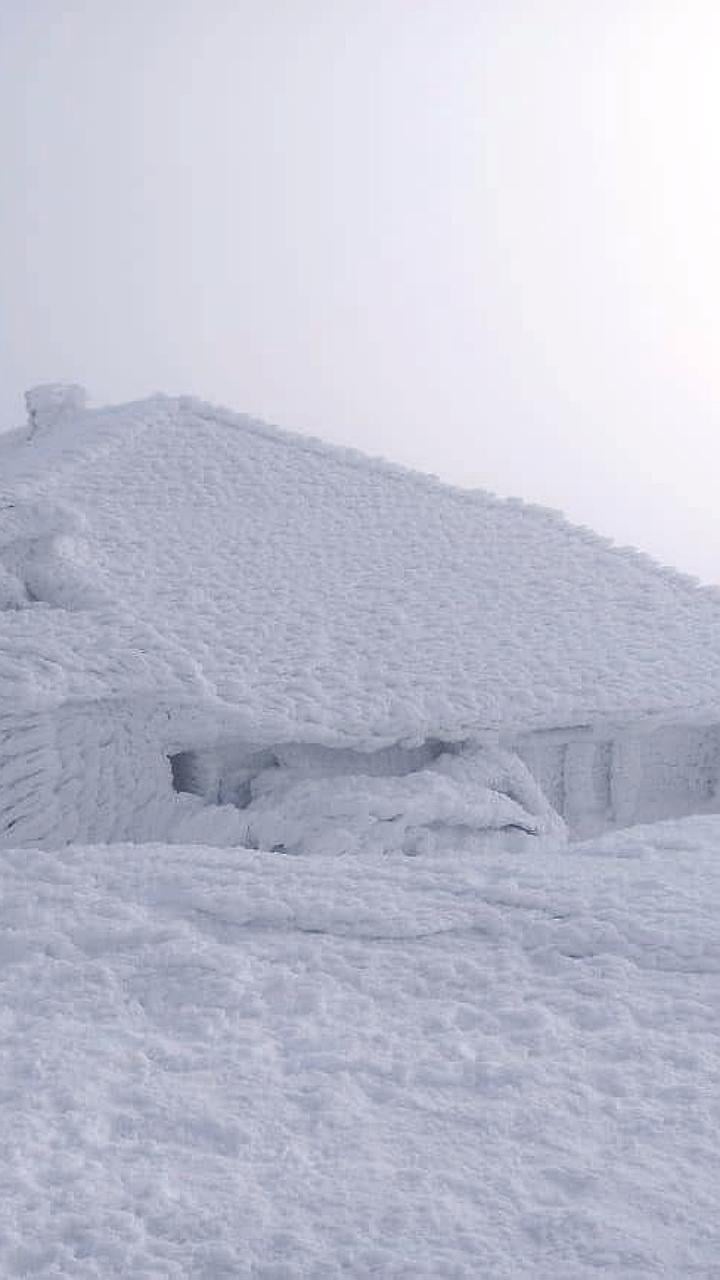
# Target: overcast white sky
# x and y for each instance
(477, 236)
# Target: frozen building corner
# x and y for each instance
(51, 401)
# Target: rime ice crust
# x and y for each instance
(317, 590)
(203, 572)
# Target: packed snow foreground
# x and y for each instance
(308, 965)
(226, 1063)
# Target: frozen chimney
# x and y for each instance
(48, 403)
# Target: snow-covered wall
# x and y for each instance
(300, 797)
(114, 771)
(593, 780)
(601, 780)
(85, 772)
(111, 771)
(318, 593)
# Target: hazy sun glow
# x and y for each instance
(667, 123)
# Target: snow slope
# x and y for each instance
(321, 596)
(219, 1063)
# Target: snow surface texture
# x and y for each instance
(322, 596)
(218, 1063)
(592, 782)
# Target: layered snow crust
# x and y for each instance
(220, 1063)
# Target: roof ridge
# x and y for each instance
(68, 452)
(356, 458)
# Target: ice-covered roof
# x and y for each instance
(312, 592)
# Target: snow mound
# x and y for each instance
(223, 1063)
(41, 557)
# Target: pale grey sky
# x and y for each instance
(477, 236)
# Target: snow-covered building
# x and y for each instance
(209, 626)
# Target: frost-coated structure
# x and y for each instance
(212, 629)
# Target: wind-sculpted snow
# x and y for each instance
(325, 597)
(469, 800)
(219, 1063)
